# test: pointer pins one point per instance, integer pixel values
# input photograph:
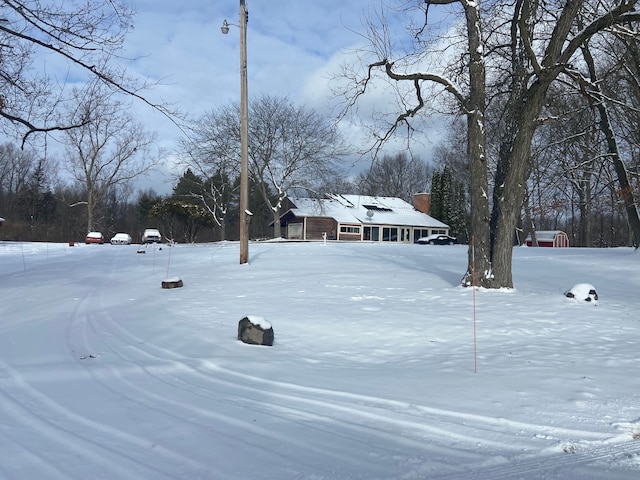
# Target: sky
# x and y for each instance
(293, 48)
(383, 366)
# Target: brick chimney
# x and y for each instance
(422, 202)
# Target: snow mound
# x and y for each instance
(583, 291)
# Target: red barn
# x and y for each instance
(549, 238)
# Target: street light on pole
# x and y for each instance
(245, 214)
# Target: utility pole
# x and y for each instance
(245, 214)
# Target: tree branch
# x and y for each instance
(416, 77)
(620, 14)
(33, 129)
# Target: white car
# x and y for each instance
(151, 235)
(121, 239)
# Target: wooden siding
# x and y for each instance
(315, 227)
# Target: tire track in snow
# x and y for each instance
(15, 455)
(122, 344)
(88, 324)
(556, 462)
(41, 417)
(171, 372)
(51, 421)
(469, 423)
(363, 414)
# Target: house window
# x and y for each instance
(419, 233)
(349, 229)
(389, 234)
(371, 233)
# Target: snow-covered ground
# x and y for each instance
(374, 373)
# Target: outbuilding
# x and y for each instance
(549, 238)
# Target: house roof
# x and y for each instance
(364, 209)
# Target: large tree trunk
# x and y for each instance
(508, 205)
(90, 208)
(276, 223)
(223, 230)
(479, 270)
(584, 205)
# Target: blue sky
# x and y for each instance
(293, 47)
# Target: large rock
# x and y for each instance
(255, 331)
(172, 283)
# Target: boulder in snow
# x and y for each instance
(255, 331)
(583, 291)
(172, 283)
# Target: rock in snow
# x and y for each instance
(255, 331)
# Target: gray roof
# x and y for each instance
(364, 209)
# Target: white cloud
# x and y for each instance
(294, 47)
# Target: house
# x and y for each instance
(549, 238)
(357, 218)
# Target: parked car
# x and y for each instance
(151, 235)
(94, 237)
(121, 239)
(436, 239)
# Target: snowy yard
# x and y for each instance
(105, 375)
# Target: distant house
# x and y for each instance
(357, 218)
(549, 238)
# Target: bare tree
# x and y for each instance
(522, 47)
(591, 88)
(210, 151)
(15, 167)
(25, 180)
(396, 175)
(108, 149)
(566, 168)
(290, 147)
(85, 35)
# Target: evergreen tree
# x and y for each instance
(449, 201)
(436, 207)
(189, 187)
(146, 201)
